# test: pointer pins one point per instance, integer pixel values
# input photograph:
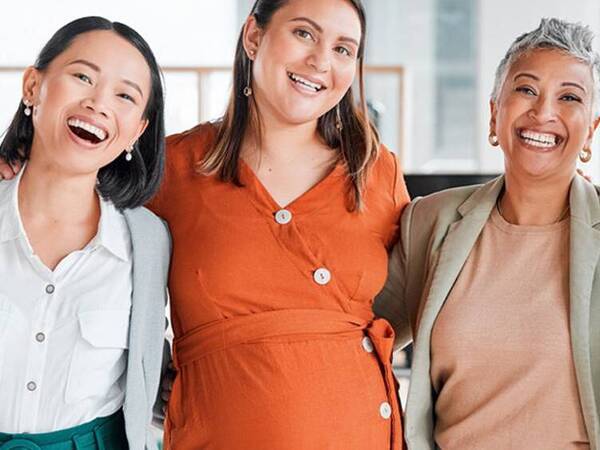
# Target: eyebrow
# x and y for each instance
(317, 27)
(565, 83)
(95, 68)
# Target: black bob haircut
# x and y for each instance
(127, 184)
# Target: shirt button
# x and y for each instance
(40, 337)
(367, 344)
(385, 410)
(322, 276)
(50, 289)
(31, 386)
(283, 216)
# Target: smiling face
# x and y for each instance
(305, 60)
(543, 114)
(88, 105)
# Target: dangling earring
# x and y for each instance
(493, 139)
(338, 119)
(27, 110)
(129, 153)
(248, 88)
(585, 155)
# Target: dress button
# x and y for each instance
(31, 386)
(385, 410)
(50, 289)
(283, 216)
(322, 276)
(367, 344)
(40, 337)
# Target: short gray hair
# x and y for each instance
(573, 39)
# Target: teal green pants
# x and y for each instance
(106, 433)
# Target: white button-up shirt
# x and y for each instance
(63, 333)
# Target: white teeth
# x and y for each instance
(298, 79)
(545, 140)
(99, 133)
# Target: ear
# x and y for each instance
(31, 84)
(252, 36)
(592, 129)
(493, 113)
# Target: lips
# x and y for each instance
(86, 130)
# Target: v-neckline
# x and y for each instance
(301, 202)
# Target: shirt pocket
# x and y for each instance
(99, 356)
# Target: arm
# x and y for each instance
(391, 303)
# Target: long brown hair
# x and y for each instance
(357, 143)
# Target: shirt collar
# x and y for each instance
(113, 232)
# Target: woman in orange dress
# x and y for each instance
(281, 215)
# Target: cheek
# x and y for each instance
(344, 77)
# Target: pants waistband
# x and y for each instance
(105, 433)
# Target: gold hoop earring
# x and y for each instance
(585, 155)
(493, 139)
(248, 89)
(338, 119)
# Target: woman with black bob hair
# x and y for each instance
(83, 266)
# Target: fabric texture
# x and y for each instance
(271, 306)
(438, 234)
(99, 434)
(148, 353)
(501, 380)
(64, 331)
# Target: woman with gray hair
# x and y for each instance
(499, 284)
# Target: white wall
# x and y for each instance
(181, 33)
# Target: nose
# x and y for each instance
(96, 101)
(319, 59)
(543, 110)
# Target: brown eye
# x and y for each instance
(571, 98)
(83, 77)
(304, 34)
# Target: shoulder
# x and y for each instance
(144, 224)
(195, 140)
(386, 164)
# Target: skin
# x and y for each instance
(101, 79)
(545, 91)
(317, 40)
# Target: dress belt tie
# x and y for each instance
(271, 326)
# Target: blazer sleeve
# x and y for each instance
(167, 373)
(391, 303)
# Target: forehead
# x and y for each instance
(552, 65)
(114, 55)
(334, 16)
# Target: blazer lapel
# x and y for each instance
(453, 253)
(584, 254)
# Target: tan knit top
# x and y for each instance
(502, 366)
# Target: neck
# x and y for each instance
(281, 140)
(48, 194)
(534, 202)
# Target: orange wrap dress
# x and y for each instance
(275, 343)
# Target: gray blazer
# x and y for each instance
(148, 354)
(437, 235)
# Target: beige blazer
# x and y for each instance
(437, 235)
